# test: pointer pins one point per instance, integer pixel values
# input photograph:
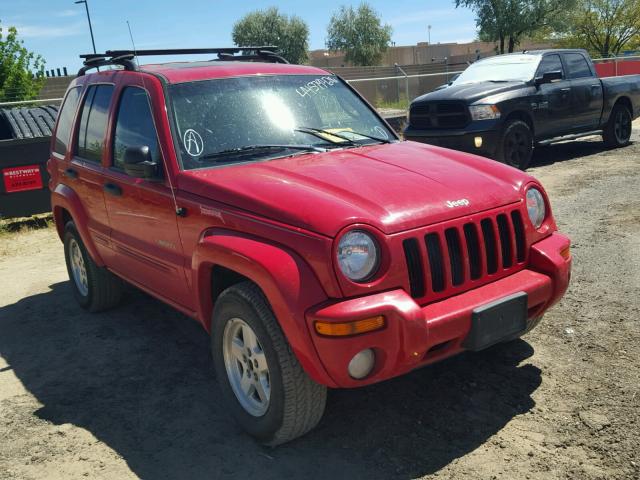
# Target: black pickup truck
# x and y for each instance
(502, 106)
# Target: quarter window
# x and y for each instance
(93, 122)
(134, 126)
(65, 121)
(577, 66)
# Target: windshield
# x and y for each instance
(501, 68)
(263, 117)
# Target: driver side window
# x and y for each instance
(550, 63)
(134, 126)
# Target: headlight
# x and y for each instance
(358, 255)
(484, 112)
(535, 207)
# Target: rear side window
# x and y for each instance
(93, 122)
(134, 126)
(550, 63)
(65, 121)
(577, 65)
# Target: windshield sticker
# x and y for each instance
(317, 85)
(193, 143)
(382, 132)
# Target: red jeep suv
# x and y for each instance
(272, 204)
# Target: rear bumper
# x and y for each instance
(462, 140)
(415, 336)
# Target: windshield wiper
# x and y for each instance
(322, 133)
(257, 148)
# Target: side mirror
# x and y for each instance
(549, 77)
(139, 164)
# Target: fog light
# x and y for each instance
(361, 364)
(477, 141)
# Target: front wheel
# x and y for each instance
(516, 145)
(261, 380)
(617, 132)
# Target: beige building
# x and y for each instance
(423, 53)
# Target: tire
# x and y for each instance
(95, 288)
(617, 132)
(516, 145)
(295, 403)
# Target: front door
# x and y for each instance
(552, 105)
(144, 232)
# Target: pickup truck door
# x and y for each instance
(586, 92)
(146, 246)
(552, 105)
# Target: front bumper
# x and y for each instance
(462, 140)
(416, 335)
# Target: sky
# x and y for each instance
(58, 29)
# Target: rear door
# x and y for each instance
(586, 92)
(144, 232)
(84, 174)
(552, 108)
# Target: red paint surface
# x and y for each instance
(277, 223)
(624, 67)
(21, 179)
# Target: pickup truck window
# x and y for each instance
(502, 68)
(65, 121)
(134, 126)
(238, 113)
(550, 63)
(93, 122)
(577, 65)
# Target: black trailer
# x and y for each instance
(25, 135)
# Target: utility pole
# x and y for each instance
(86, 6)
(429, 30)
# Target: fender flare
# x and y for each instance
(66, 198)
(287, 281)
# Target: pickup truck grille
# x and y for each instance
(439, 115)
(462, 255)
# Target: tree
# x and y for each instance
(21, 71)
(605, 27)
(270, 27)
(358, 33)
(508, 21)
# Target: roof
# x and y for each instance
(27, 122)
(178, 72)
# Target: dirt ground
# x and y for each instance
(130, 393)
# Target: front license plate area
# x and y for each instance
(497, 321)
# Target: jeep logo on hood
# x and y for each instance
(463, 202)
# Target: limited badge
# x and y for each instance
(193, 143)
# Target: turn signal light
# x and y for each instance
(344, 329)
(566, 253)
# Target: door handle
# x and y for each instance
(112, 189)
(71, 173)
(565, 89)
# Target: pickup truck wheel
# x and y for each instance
(617, 132)
(516, 145)
(261, 379)
(94, 287)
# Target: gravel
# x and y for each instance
(130, 393)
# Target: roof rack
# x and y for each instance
(125, 58)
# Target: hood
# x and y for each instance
(393, 187)
(471, 92)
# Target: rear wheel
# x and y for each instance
(94, 287)
(516, 145)
(617, 132)
(262, 381)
